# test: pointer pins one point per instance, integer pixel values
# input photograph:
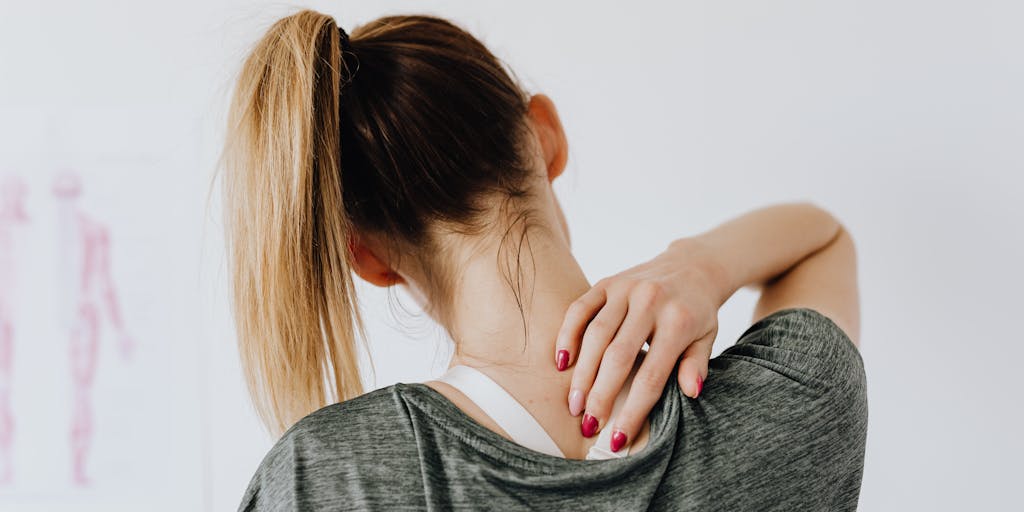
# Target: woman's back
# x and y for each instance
(409, 156)
(782, 421)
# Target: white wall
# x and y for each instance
(902, 117)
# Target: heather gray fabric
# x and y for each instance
(780, 425)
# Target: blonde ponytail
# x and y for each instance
(287, 231)
(431, 126)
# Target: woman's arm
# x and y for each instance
(798, 254)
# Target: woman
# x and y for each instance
(408, 156)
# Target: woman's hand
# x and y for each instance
(673, 302)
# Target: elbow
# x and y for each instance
(819, 227)
(823, 221)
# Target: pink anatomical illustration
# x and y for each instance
(12, 213)
(85, 259)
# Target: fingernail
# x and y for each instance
(575, 402)
(618, 440)
(700, 386)
(562, 359)
(589, 425)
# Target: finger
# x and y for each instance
(693, 369)
(579, 314)
(646, 387)
(616, 364)
(599, 333)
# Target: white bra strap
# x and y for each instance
(502, 407)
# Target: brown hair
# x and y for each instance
(415, 125)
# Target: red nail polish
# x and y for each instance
(562, 359)
(589, 425)
(700, 386)
(618, 440)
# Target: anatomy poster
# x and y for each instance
(98, 364)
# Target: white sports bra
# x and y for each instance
(511, 416)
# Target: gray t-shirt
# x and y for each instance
(781, 424)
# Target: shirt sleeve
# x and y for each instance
(788, 407)
(336, 458)
(805, 346)
(275, 483)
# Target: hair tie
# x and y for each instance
(346, 47)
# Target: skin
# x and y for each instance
(798, 255)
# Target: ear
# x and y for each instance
(552, 137)
(372, 269)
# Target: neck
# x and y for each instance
(490, 334)
(494, 328)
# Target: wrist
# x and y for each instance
(697, 254)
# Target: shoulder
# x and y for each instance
(343, 420)
(326, 450)
(799, 362)
(343, 426)
(785, 410)
(804, 344)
